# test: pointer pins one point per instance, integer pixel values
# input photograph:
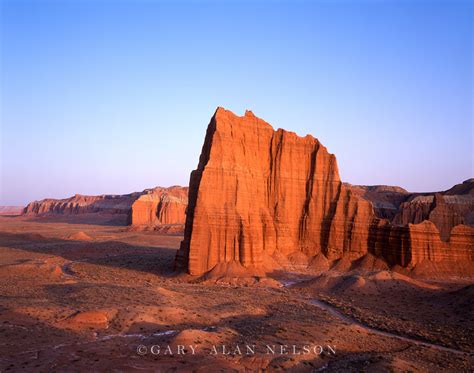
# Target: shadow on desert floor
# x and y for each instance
(153, 259)
(111, 220)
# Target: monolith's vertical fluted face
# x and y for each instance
(257, 191)
(260, 194)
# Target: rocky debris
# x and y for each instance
(319, 263)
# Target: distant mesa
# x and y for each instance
(81, 204)
(260, 197)
(11, 210)
(157, 208)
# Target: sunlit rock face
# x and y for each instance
(260, 194)
(151, 207)
(160, 206)
(257, 191)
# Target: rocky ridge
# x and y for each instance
(445, 209)
(152, 207)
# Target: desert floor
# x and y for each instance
(87, 294)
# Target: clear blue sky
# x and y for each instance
(115, 96)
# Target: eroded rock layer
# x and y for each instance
(160, 206)
(151, 207)
(445, 209)
(260, 194)
(81, 204)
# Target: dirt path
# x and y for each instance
(335, 312)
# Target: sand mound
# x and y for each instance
(270, 264)
(382, 275)
(342, 265)
(299, 259)
(268, 282)
(80, 236)
(369, 263)
(33, 270)
(167, 293)
(228, 269)
(353, 283)
(87, 319)
(340, 284)
(402, 270)
(280, 259)
(444, 269)
(90, 317)
(319, 263)
(400, 279)
(324, 281)
(234, 273)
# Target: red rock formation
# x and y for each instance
(385, 199)
(444, 216)
(257, 191)
(80, 204)
(445, 209)
(259, 195)
(414, 211)
(152, 207)
(160, 206)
